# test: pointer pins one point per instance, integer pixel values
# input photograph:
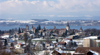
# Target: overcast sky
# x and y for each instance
(49, 9)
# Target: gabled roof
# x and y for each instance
(59, 52)
(61, 43)
(94, 52)
(87, 49)
(2, 39)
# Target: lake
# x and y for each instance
(49, 27)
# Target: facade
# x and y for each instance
(97, 43)
(27, 27)
(58, 52)
(32, 28)
(81, 30)
(67, 27)
(89, 43)
(87, 50)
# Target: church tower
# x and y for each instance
(81, 30)
(27, 27)
(67, 26)
(44, 29)
(32, 28)
(54, 29)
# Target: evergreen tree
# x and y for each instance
(36, 30)
(63, 35)
(39, 27)
(41, 34)
(72, 33)
(66, 32)
(5, 42)
(19, 31)
(51, 32)
(25, 37)
(44, 30)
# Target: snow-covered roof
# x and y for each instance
(38, 39)
(66, 41)
(60, 51)
(97, 40)
(94, 53)
(79, 43)
(54, 42)
(22, 42)
(91, 37)
(50, 47)
(5, 36)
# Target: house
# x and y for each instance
(18, 46)
(89, 53)
(78, 54)
(73, 37)
(58, 52)
(92, 53)
(91, 37)
(87, 50)
(89, 43)
(5, 36)
(61, 44)
(4, 41)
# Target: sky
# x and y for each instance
(50, 9)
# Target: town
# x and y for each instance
(42, 41)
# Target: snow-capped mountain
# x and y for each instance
(47, 22)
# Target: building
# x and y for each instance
(87, 50)
(27, 27)
(73, 37)
(58, 52)
(32, 28)
(97, 43)
(81, 30)
(4, 41)
(89, 43)
(67, 27)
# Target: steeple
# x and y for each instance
(67, 23)
(54, 27)
(44, 29)
(21, 30)
(32, 28)
(67, 26)
(81, 30)
(27, 27)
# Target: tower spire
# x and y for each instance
(67, 26)
(81, 30)
(27, 27)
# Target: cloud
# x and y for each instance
(44, 15)
(66, 16)
(52, 8)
